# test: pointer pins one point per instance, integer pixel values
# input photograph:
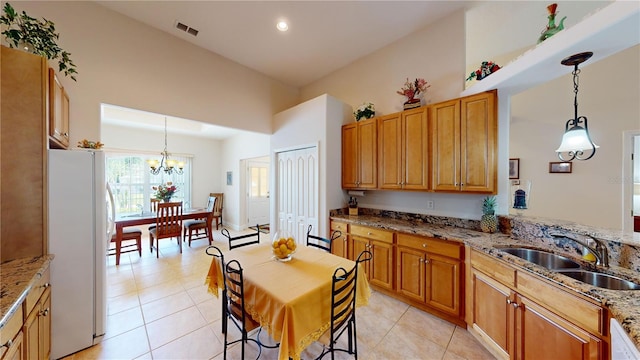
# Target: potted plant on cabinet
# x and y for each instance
(36, 36)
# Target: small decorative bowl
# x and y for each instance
(283, 246)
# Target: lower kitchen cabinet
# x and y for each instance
(522, 316)
(429, 271)
(380, 268)
(37, 329)
(13, 350)
(340, 246)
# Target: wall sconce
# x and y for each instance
(576, 139)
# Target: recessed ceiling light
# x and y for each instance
(282, 26)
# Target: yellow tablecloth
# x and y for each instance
(291, 300)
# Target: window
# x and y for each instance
(131, 181)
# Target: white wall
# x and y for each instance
(608, 97)
(314, 122)
(123, 62)
(240, 147)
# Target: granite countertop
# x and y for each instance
(18, 277)
(624, 305)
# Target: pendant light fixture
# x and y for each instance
(576, 140)
(165, 164)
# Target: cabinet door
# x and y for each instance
(478, 155)
(415, 150)
(411, 273)
(389, 150)
(444, 281)
(349, 156)
(492, 316)
(381, 267)
(367, 154)
(58, 112)
(545, 335)
(445, 146)
(31, 332)
(339, 246)
(45, 324)
(16, 350)
(360, 245)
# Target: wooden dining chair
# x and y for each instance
(343, 310)
(168, 225)
(320, 242)
(197, 228)
(235, 310)
(217, 210)
(153, 206)
(242, 240)
(127, 235)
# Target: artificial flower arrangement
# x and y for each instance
(486, 68)
(411, 89)
(365, 111)
(165, 191)
(86, 144)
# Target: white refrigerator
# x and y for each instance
(78, 239)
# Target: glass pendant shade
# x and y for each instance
(576, 139)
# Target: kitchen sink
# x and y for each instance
(545, 259)
(601, 280)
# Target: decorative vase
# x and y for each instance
(166, 199)
(283, 246)
(412, 103)
(489, 223)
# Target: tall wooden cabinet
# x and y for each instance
(403, 148)
(464, 144)
(359, 155)
(23, 155)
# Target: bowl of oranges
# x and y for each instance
(283, 246)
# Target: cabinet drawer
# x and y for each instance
(37, 290)
(371, 233)
(568, 306)
(12, 327)
(342, 227)
(440, 247)
(492, 267)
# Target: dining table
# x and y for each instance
(147, 218)
(291, 300)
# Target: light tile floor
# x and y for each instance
(160, 309)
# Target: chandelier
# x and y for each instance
(165, 164)
(576, 140)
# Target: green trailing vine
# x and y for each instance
(39, 34)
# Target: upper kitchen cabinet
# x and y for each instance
(23, 155)
(464, 144)
(403, 150)
(359, 155)
(58, 114)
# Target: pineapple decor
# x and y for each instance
(489, 221)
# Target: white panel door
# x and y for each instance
(258, 192)
(297, 186)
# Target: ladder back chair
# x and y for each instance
(217, 210)
(197, 229)
(235, 310)
(320, 242)
(128, 234)
(343, 310)
(168, 225)
(242, 240)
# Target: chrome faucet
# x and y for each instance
(595, 246)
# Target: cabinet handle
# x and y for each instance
(513, 303)
(44, 312)
(369, 233)
(424, 245)
(66, 134)
(46, 285)
(7, 344)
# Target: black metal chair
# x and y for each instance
(322, 243)
(343, 310)
(242, 240)
(236, 312)
(216, 252)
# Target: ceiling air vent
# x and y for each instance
(186, 28)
